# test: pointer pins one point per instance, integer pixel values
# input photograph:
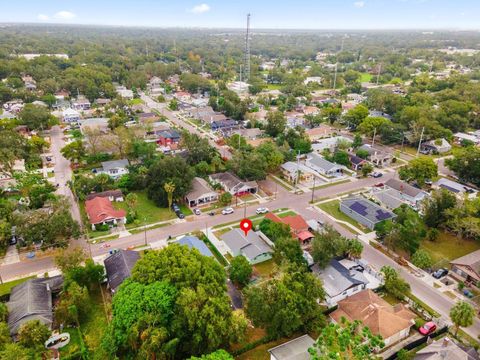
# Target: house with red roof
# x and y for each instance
(100, 211)
(298, 226)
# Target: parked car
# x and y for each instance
(262, 210)
(227, 211)
(377, 174)
(179, 214)
(175, 207)
(197, 211)
(49, 158)
(427, 328)
(440, 273)
(211, 213)
(379, 185)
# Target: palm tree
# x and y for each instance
(132, 200)
(169, 188)
(462, 314)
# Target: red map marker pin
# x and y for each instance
(246, 226)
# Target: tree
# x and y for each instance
(394, 284)
(288, 250)
(286, 305)
(276, 122)
(3, 312)
(346, 340)
(93, 138)
(89, 275)
(74, 151)
(173, 105)
(73, 304)
(217, 355)
(327, 245)
(33, 334)
(355, 116)
(132, 200)
(225, 199)
(354, 249)
(15, 351)
(274, 230)
(341, 158)
(198, 149)
(436, 206)
(357, 141)
(36, 117)
(422, 259)
(369, 124)
(169, 188)
(240, 270)
(69, 259)
(331, 113)
(272, 154)
(362, 153)
(172, 169)
(466, 164)
(419, 169)
(366, 169)
(462, 314)
(5, 337)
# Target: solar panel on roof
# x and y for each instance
(383, 215)
(358, 208)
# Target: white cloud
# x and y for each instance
(64, 15)
(42, 17)
(359, 4)
(200, 9)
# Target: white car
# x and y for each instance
(227, 211)
(262, 210)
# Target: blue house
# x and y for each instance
(195, 243)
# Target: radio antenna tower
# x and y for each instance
(246, 68)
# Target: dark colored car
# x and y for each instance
(180, 214)
(440, 273)
(427, 328)
(377, 174)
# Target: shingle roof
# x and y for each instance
(114, 164)
(445, 349)
(471, 260)
(195, 243)
(200, 187)
(250, 246)
(321, 162)
(119, 265)
(403, 187)
(115, 193)
(375, 313)
(296, 349)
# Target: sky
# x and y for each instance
(271, 14)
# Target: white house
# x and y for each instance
(70, 115)
(115, 168)
(323, 166)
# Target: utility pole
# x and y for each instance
(297, 172)
(244, 209)
(313, 189)
(420, 142)
(247, 50)
(378, 73)
(374, 133)
(335, 77)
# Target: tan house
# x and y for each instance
(320, 132)
(467, 267)
(392, 323)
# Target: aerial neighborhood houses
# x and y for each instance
(393, 193)
(255, 246)
(365, 211)
(232, 184)
(114, 168)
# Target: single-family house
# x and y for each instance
(248, 134)
(201, 193)
(323, 166)
(320, 132)
(310, 110)
(446, 349)
(81, 103)
(195, 243)
(294, 121)
(291, 170)
(148, 116)
(458, 189)
(61, 94)
(32, 300)
(467, 267)
(392, 323)
(296, 349)
(340, 282)
(365, 211)
(102, 101)
(329, 144)
(460, 137)
(377, 157)
(253, 246)
(118, 267)
(168, 138)
(438, 146)
(233, 184)
(198, 112)
(112, 195)
(70, 115)
(212, 117)
(114, 168)
(224, 125)
(376, 113)
(405, 192)
(356, 162)
(297, 224)
(124, 92)
(101, 212)
(100, 124)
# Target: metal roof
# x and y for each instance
(296, 349)
(195, 243)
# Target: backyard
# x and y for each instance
(449, 247)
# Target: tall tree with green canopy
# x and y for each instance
(217, 355)
(276, 122)
(466, 164)
(356, 115)
(326, 245)
(274, 230)
(240, 270)
(287, 304)
(288, 250)
(169, 188)
(436, 206)
(394, 284)
(35, 117)
(462, 314)
(419, 169)
(33, 334)
(369, 124)
(74, 151)
(346, 340)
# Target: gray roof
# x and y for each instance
(322, 163)
(337, 278)
(200, 187)
(250, 246)
(368, 209)
(296, 349)
(373, 151)
(403, 187)
(115, 193)
(114, 164)
(231, 181)
(472, 260)
(452, 185)
(119, 266)
(32, 300)
(195, 243)
(445, 348)
(388, 198)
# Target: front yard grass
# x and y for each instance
(333, 208)
(449, 247)
(6, 287)
(95, 323)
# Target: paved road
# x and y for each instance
(162, 108)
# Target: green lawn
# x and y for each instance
(273, 86)
(95, 323)
(147, 211)
(74, 346)
(6, 287)
(333, 208)
(264, 269)
(366, 77)
(136, 101)
(449, 247)
(287, 213)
